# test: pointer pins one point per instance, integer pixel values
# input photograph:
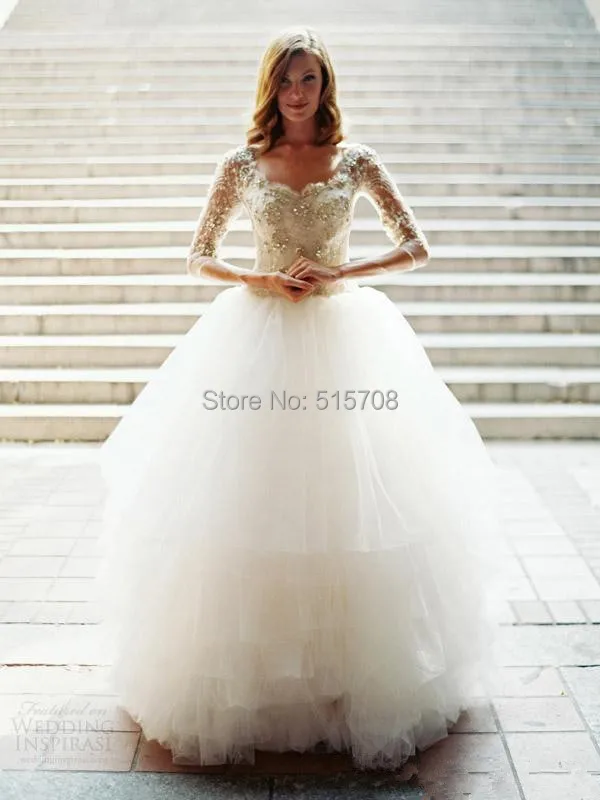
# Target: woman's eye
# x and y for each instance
(307, 77)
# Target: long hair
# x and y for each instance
(267, 124)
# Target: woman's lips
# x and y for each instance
(298, 107)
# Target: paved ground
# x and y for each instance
(61, 733)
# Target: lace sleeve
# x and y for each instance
(223, 203)
(395, 214)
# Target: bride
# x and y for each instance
(301, 530)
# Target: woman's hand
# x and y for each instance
(291, 288)
(308, 270)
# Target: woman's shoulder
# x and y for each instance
(361, 157)
(362, 150)
(237, 164)
(238, 155)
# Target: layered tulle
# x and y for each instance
(275, 578)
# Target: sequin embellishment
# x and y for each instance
(314, 221)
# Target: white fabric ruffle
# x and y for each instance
(276, 578)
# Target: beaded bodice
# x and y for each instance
(314, 222)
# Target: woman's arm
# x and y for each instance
(412, 249)
(223, 203)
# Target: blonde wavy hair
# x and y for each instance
(266, 119)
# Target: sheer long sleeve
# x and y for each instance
(223, 204)
(395, 214)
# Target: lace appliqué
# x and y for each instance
(223, 203)
(314, 222)
(395, 214)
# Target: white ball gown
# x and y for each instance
(276, 577)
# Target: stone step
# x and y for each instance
(421, 285)
(93, 423)
(456, 349)
(59, 18)
(434, 317)
(578, 18)
(442, 109)
(188, 208)
(347, 51)
(469, 384)
(499, 93)
(418, 77)
(101, 144)
(336, 35)
(520, 55)
(349, 57)
(93, 147)
(192, 185)
(373, 77)
(204, 165)
(491, 104)
(191, 16)
(196, 17)
(365, 232)
(152, 260)
(530, 126)
(241, 75)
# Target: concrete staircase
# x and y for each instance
(108, 140)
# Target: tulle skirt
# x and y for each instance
(301, 537)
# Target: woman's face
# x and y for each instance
(300, 86)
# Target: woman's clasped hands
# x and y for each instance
(301, 278)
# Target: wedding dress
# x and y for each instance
(319, 564)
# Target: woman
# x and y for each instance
(301, 525)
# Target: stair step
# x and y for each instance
(150, 260)
(93, 423)
(161, 209)
(458, 349)
(469, 384)
(507, 89)
(114, 167)
(237, 33)
(111, 142)
(139, 318)
(419, 285)
(443, 185)
(528, 127)
(94, 146)
(365, 232)
(440, 107)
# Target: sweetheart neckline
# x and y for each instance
(310, 185)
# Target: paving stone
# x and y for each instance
(584, 685)
(527, 682)
(30, 566)
(366, 787)
(548, 645)
(566, 611)
(50, 644)
(538, 714)
(464, 763)
(557, 786)
(532, 612)
(553, 752)
(543, 545)
(55, 680)
(42, 547)
(592, 609)
(129, 786)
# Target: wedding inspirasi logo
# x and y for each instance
(65, 734)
